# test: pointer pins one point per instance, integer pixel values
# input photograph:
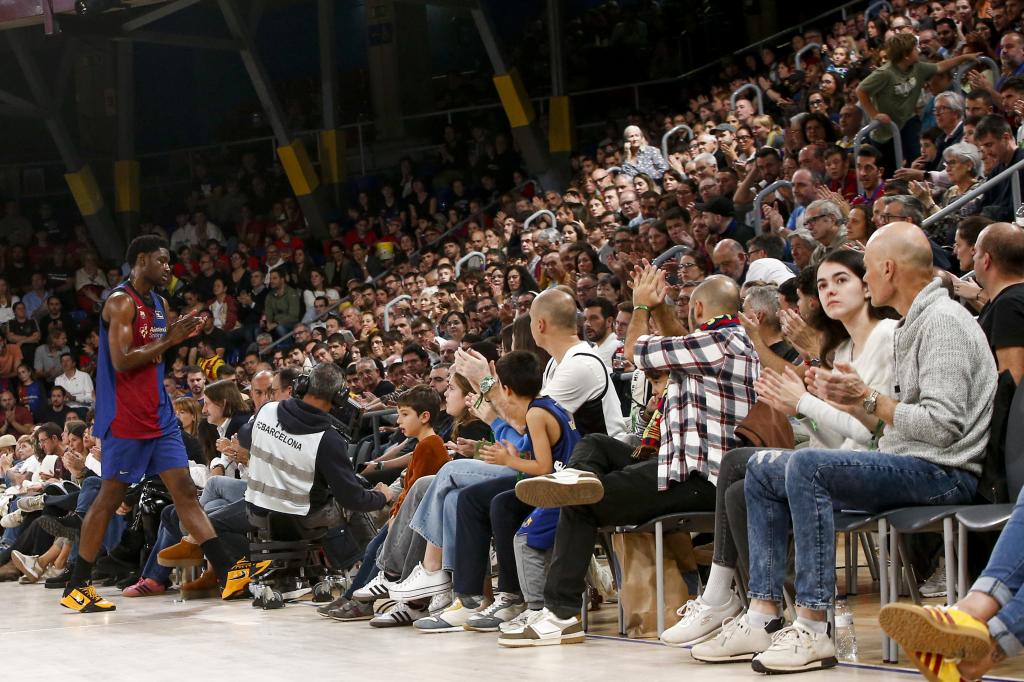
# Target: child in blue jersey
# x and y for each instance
(539, 439)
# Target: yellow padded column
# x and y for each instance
(298, 168)
(560, 130)
(517, 105)
(86, 192)
(126, 186)
(332, 156)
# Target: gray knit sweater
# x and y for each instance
(945, 382)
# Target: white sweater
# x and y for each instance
(834, 429)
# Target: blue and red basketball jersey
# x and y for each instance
(134, 404)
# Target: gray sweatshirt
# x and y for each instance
(945, 381)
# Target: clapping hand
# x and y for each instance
(781, 391)
(471, 365)
(799, 334)
(466, 447)
(500, 454)
(386, 491)
(648, 285)
(481, 408)
(841, 385)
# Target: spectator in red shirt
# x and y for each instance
(841, 178)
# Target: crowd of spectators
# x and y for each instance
(751, 311)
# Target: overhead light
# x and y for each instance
(89, 8)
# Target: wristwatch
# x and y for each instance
(486, 384)
(871, 402)
(379, 466)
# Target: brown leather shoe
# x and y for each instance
(9, 572)
(181, 555)
(203, 587)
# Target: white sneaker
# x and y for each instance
(377, 588)
(565, 488)
(51, 572)
(440, 601)
(421, 583)
(30, 503)
(935, 586)
(700, 621)
(504, 608)
(545, 630)
(519, 623)
(796, 649)
(12, 520)
(737, 641)
(27, 564)
(450, 620)
(398, 615)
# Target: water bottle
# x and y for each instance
(846, 637)
(1018, 217)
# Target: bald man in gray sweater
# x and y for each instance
(936, 421)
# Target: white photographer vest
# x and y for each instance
(281, 465)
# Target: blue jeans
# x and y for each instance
(369, 567)
(221, 491)
(115, 527)
(168, 535)
(1003, 580)
(10, 535)
(803, 489)
(436, 515)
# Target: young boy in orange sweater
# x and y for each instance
(417, 411)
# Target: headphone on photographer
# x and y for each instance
(300, 387)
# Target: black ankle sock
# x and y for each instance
(81, 573)
(218, 556)
(419, 604)
(470, 601)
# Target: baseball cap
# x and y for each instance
(725, 128)
(8, 441)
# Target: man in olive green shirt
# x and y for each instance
(281, 307)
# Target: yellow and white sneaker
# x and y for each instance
(937, 630)
(936, 667)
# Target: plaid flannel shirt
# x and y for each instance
(710, 391)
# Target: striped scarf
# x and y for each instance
(651, 439)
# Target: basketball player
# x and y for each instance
(136, 423)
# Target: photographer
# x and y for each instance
(297, 464)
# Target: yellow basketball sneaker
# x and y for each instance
(240, 575)
(85, 600)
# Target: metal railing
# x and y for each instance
(798, 57)
(757, 90)
(667, 255)
(391, 304)
(760, 196)
(961, 71)
(670, 133)
(875, 5)
(896, 143)
(537, 214)
(1012, 171)
(468, 257)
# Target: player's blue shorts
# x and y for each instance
(129, 460)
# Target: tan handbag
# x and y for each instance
(638, 592)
